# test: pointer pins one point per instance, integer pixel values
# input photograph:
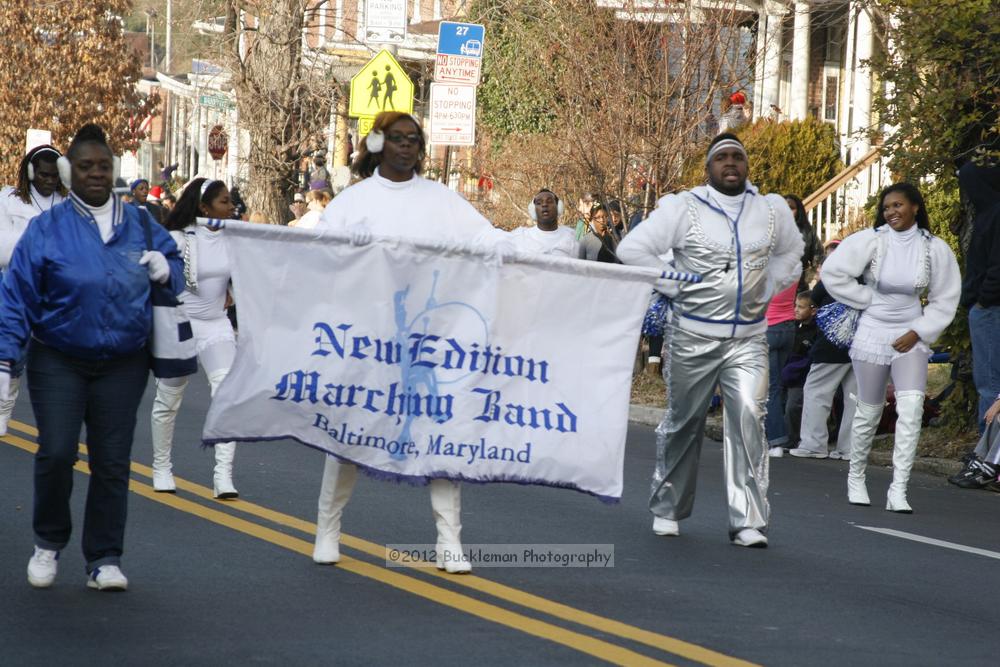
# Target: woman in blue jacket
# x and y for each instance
(78, 288)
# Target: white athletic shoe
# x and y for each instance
(804, 453)
(776, 452)
(667, 527)
(42, 567)
(838, 456)
(108, 578)
(750, 537)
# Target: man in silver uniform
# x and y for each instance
(747, 248)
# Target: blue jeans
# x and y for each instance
(66, 393)
(984, 330)
(780, 338)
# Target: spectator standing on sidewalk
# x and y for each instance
(831, 368)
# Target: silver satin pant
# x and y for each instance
(693, 366)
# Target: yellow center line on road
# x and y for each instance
(516, 596)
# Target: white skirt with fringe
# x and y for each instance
(873, 342)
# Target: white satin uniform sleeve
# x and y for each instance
(664, 231)
(785, 264)
(845, 265)
(942, 295)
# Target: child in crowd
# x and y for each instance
(983, 467)
(793, 374)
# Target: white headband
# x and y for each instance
(723, 145)
(205, 186)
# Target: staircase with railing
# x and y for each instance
(833, 207)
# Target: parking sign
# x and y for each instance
(460, 53)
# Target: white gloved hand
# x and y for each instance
(156, 264)
(360, 233)
(4, 381)
(667, 287)
(500, 252)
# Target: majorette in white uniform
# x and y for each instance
(898, 267)
(206, 276)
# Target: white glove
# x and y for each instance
(4, 381)
(156, 264)
(500, 252)
(360, 233)
(667, 287)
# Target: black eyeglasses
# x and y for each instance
(413, 138)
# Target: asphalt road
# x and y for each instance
(227, 583)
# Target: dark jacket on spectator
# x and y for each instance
(982, 262)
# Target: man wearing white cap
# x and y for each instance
(746, 248)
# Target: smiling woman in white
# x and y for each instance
(394, 200)
(899, 260)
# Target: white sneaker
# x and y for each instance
(804, 453)
(108, 578)
(750, 537)
(668, 527)
(776, 452)
(838, 456)
(42, 567)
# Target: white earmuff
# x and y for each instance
(34, 153)
(375, 141)
(65, 171)
(533, 214)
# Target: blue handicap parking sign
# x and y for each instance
(461, 39)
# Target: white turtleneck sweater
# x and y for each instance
(895, 298)
(103, 216)
(414, 209)
(889, 296)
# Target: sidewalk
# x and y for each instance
(651, 416)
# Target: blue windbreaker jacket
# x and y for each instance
(77, 294)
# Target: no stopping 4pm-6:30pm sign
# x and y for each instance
(453, 114)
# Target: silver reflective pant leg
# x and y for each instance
(691, 370)
(743, 380)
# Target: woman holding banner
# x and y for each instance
(394, 200)
(206, 283)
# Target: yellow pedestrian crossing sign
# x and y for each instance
(381, 85)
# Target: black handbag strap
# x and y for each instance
(146, 229)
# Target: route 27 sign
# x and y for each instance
(459, 53)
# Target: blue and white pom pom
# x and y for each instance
(656, 316)
(838, 322)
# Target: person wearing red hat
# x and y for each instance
(155, 194)
(736, 114)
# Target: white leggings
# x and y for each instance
(908, 371)
(214, 358)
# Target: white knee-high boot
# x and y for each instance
(166, 403)
(222, 481)
(335, 491)
(866, 419)
(7, 407)
(446, 502)
(909, 417)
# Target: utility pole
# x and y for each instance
(166, 59)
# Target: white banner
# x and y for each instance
(417, 363)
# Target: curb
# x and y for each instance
(651, 416)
